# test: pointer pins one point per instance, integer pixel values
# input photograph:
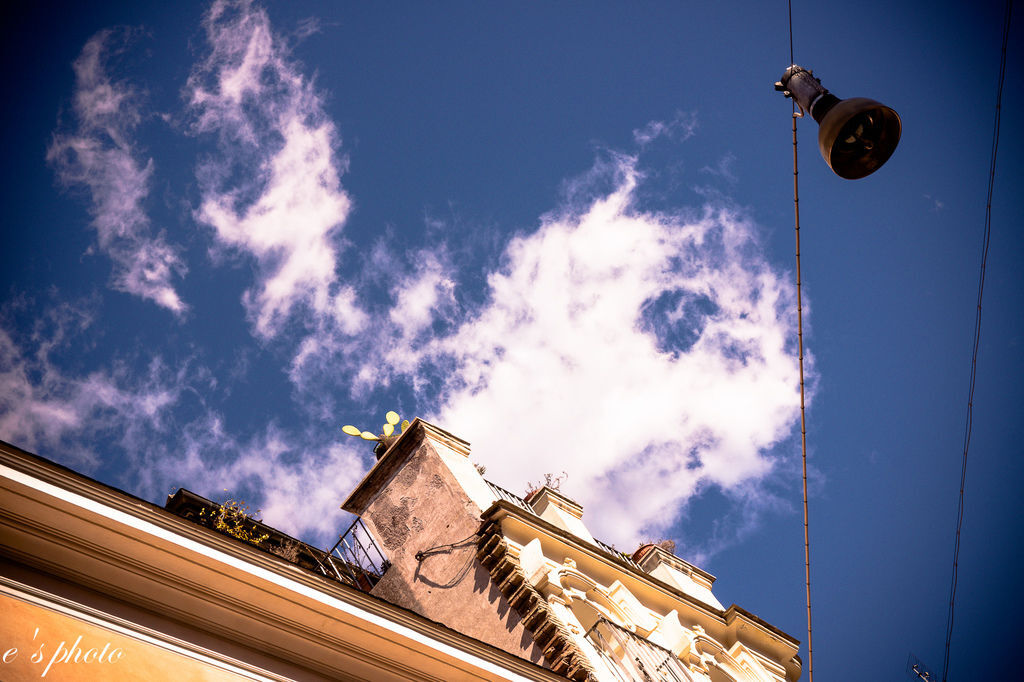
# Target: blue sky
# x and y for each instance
(562, 232)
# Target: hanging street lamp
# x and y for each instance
(856, 136)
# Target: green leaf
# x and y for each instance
(392, 417)
(366, 435)
(405, 425)
(351, 430)
(389, 429)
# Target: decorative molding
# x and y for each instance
(502, 508)
(727, 624)
(551, 635)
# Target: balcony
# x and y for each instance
(631, 658)
(356, 559)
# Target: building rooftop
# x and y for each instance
(449, 533)
(441, 575)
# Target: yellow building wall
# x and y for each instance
(38, 643)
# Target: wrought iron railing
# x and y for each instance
(623, 557)
(632, 658)
(356, 559)
(510, 497)
(503, 494)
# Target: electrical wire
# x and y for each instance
(800, 345)
(977, 337)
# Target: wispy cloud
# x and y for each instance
(680, 128)
(747, 506)
(100, 155)
(936, 204)
(32, 412)
(298, 480)
(49, 410)
(140, 424)
(723, 169)
(420, 306)
(273, 191)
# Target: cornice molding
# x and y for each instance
(502, 508)
(726, 619)
(558, 499)
(551, 635)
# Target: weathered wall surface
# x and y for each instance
(423, 510)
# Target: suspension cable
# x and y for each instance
(790, 7)
(803, 418)
(987, 233)
(800, 345)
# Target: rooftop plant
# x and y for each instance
(234, 518)
(550, 481)
(387, 434)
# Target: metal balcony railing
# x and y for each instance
(510, 497)
(503, 494)
(614, 552)
(631, 658)
(356, 559)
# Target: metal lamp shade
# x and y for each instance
(857, 136)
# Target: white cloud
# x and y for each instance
(303, 496)
(648, 355)
(418, 297)
(273, 192)
(100, 155)
(391, 341)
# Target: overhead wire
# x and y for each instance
(800, 345)
(986, 239)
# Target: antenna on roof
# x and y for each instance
(917, 670)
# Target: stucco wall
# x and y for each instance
(423, 509)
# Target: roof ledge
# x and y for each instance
(651, 556)
(538, 498)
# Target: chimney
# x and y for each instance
(422, 501)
